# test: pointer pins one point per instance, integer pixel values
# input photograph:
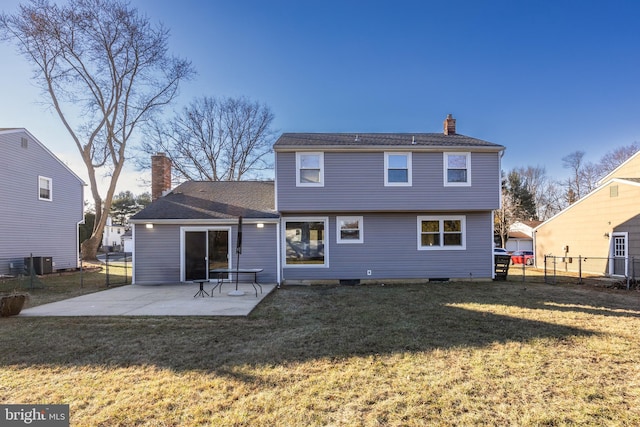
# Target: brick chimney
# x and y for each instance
(160, 175)
(449, 125)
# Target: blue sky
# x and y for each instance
(543, 78)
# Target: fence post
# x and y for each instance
(627, 272)
(106, 261)
(579, 269)
(31, 271)
(81, 271)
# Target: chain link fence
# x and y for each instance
(34, 272)
(608, 272)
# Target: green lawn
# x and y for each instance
(490, 353)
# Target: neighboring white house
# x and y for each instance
(127, 241)
(112, 235)
(521, 236)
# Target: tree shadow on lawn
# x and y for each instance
(297, 324)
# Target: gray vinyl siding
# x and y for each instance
(156, 254)
(390, 251)
(158, 258)
(354, 181)
(29, 225)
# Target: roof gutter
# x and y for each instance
(369, 148)
(178, 221)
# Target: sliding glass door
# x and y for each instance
(204, 250)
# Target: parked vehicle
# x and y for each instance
(522, 257)
(500, 251)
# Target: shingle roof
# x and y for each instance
(373, 140)
(214, 200)
(518, 235)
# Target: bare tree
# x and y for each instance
(547, 193)
(575, 163)
(214, 140)
(106, 69)
(505, 216)
(553, 200)
(615, 158)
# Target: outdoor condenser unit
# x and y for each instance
(41, 264)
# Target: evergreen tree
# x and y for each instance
(523, 201)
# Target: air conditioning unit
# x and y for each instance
(41, 264)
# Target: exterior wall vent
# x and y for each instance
(24, 142)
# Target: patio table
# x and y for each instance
(220, 272)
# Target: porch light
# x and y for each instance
(148, 225)
(260, 225)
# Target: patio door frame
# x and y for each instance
(613, 251)
(206, 230)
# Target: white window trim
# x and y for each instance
(284, 240)
(463, 225)
(50, 188)
(185, 229)
(624, 235)
(445, 169)
(339, 238)
(386, 169)
(298, 164)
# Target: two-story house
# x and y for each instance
(387, 206)
(41, 204)
(345, 207)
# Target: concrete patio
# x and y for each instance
(158, 300)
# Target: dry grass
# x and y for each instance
(57, 286)
(436, 354)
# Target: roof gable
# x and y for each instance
(633, 182)
(630, 168)
(5, 131)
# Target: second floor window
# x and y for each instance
(397, 169)
(457, 169)
(44, 188)
(309, 169)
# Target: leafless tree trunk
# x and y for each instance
(214, 140)
(106, 70)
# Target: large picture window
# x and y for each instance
(305, 240)
(397, 169)
(457, 169)
(441, 232)
(309, 169)
(349, 229)
(44, 188)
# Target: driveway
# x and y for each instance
(158, 300)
